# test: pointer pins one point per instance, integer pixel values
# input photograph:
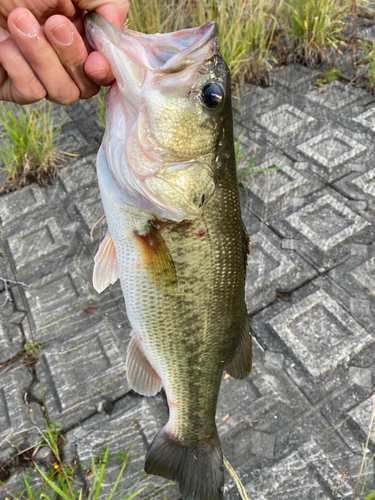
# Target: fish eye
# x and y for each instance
(212, 95)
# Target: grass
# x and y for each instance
(369, 48)
(244, 171)
(29, 146)
(314, 27)
(327, 76)
(60, 481)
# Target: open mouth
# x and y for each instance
(167, 52)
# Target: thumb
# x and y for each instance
(113, 11)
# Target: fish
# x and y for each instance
(176, 240)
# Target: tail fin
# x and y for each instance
(198, 470)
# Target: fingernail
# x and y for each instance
(99, 75)
(63, 34)
(3, 35)
(26, 24)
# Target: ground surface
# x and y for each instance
(297, 424)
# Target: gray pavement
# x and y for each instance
(296, 427)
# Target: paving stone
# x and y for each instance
(271, 269)
(361, 416)
(11, 341)
(294, 78)
(250, 100)
(250, 414)
(332, 151)
(356, 282)
(360, 376)
(325, 227)
(358, 187)
(248, 148)
(131, 426)
(334, 96)
(349, 413)
(274, 190)
(336, 333)
(317, 346)
(367, 33)
(80, 373)
(273, 360)
(247, 401)
(28, 200)
(57, 296)
(365, 275)
(90, 210)
(79, 175)
(285, 120)
(85, 119)
(14, 413)
(38, 243)
(307, 470)
(366, 182)
(367, 119)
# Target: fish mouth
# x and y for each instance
(161, 53)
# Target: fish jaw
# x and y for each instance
(156, 75)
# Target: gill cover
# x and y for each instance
(162, 123)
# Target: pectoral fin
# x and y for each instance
(105, 267)
(156, 257)
(141, 376)
(240, 365)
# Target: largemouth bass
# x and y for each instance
(176, 241)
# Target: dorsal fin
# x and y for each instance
(141, 375)
(105, 267)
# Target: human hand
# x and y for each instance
(44, 54)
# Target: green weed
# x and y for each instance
(313, 27)
(29, 145)
(327, 76)
(369, 48)
(59, 481)
(244, 172)
(31, 349)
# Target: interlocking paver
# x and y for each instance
(324, 228)
(83, 372)
(272, 269)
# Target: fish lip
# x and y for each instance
(200, 37)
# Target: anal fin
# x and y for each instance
(240, 365)
(105, 268)
(141, 375)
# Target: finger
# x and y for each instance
(70, 48)
(42, 58)
(18, 82)
(114, 11)
(97, 68)
(41, 9)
